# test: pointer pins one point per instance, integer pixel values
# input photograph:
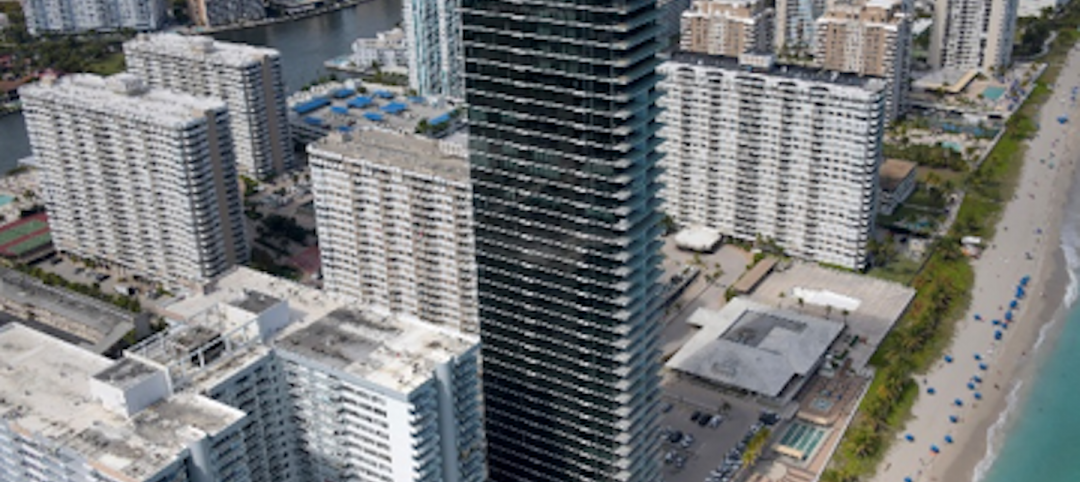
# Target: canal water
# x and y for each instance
(304, 44)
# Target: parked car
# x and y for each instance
(695, 416)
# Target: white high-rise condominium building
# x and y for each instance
(727, 27)
(869, 37)
(433, 37)
(787, 153)
(394, 216)
(257, 380)
(137, 177)
(247, 78)
(388, 49)
(74, 16)
(67, 414)
(973, 34)
(331, 389)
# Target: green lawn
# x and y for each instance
(901, 271)
(111, 64)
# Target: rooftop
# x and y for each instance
(106, 322)
(872, 305)
(122, 95)
(755, 347)
(200, 47)
(392, 352)
(406, 152)
(793, 72)
(44, 389)
(894, 171)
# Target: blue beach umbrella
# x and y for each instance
(1008, 316)
(948, 358)
(1013, 304)
(958, 402)
(971, 386)
(977, 378)
(978, 357)
(978, 317)
(1004, 326)
(931, 391)
(996, 322)
(935, 449)
(909, 437)
(982, 366)
(908, 479)
(954, 418)
(978, 396)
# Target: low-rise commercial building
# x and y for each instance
(897, 184)
(781, 152)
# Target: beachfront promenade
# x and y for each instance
(983, 370)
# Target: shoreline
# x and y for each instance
(344, 4)
(1035, 215)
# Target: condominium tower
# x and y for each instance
(394, 215)
(259, 379)
(973, 34)
(75, 16)
(727, 27)
(137, 177)
(869, 37)
(211, 13)
(433, 38)
(782, 152)
(247, 78)
(563, 136)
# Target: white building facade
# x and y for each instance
(394, 218)
(247, 78)
(784, 153)
(135, 177)
(75, 16)
(433, 38)
(973, 34)
(387, 49)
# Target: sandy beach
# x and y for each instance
(1030, 225)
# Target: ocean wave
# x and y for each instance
(992, 434)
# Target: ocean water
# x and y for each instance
(1042, 441)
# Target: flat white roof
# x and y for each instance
(755, 347)
(697, 238)
(122, 95)
(45, 390)
(199, 47)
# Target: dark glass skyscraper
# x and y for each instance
(562, 111)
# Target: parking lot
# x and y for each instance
(719, 427)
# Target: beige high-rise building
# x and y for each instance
(869, 37)
(727, 27)
(973, 34)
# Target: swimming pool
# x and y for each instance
(952, 145)
(801, 440)
(993, 93)
(5, 199)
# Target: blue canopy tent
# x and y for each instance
(439, 119)
(343, 93)
(416, 99)
(311, 105)
(384, 94)
(359, 102)
(313, 121)
(948, 439)
(394, 108)
(345, 128)
(339, 110)
(373, 116)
